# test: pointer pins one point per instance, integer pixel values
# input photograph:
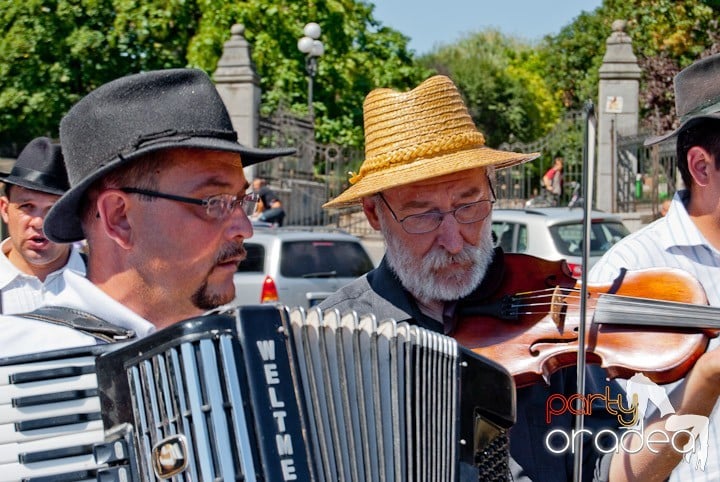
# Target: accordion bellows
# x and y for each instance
(272, 394)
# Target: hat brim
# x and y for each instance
(33, 186)
(426, 168)
(62, 223)
(651, 141)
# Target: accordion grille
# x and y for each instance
(193, 389)
(381, 398)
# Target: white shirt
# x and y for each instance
(673, 241)
(21, 335)
(22, 292)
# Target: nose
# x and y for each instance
(239, 224)
(37, 220)
(449, 234)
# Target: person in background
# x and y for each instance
(270, 208)
(686, 238)
(553, 181)
(665, 207)
(158, 191)
(31, 266)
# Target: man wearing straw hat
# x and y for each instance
(688, 238)
(31, 265)
(158, 191)
(426, 186)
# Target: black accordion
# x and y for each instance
(260, 394)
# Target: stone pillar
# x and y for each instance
(618, 107)
(239, 86)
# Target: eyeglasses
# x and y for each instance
(218, 206)
(430, 221)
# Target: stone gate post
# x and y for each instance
(618, 107)
(239, 86)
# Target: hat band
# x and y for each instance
(32, 175)
(449, 145)
(174, 134)
(712, 108)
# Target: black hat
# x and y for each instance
(697, 95)
(135, 115)
(39, 167)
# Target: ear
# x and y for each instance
(4, 203)
(370, 210)
(699, 164)
(112, 206)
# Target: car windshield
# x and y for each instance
(318, 259)
(603, 234)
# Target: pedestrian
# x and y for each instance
(270, 207)
(553, 181)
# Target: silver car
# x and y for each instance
(556, 233)
(298, 266)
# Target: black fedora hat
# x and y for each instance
(133, 116)
(39, 167)
(697, 95)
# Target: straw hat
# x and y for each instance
(417, 135)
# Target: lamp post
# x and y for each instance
(313, 48)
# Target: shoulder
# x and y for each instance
(356, 294)
(370, 294)
(644, 248)
(19, 336)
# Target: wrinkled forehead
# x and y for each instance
(460, 183)
(196, 167)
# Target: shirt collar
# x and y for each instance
(678, 221)
(10, 272)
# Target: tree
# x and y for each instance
(501, 80)
(667, 36)
(55, 51)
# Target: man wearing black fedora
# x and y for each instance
(31, 265)
(157, 189)
(687, 238)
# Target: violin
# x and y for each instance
(655, 321)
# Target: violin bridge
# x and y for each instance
(558, 308)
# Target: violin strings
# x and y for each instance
(529, 301)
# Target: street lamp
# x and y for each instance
(312, 48)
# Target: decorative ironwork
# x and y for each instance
(645, 175)
(517, 184)
(317, 173)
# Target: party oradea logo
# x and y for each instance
(641, 392)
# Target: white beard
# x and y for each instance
(424, 277)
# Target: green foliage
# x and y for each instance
(55, 51)
(502, 81)
(572, 59)
(679, 31)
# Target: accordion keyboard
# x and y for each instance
(49, 416)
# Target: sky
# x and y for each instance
(434, 22)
